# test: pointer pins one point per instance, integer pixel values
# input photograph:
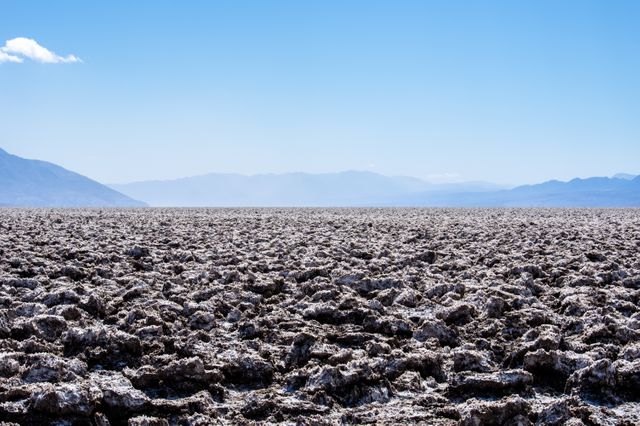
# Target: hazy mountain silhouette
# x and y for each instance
(626, 176)
(357, 188)
(591, 192)
(351, 188)
(33, 183)
(36, 183)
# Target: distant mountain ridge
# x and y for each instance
(590, 192)
(34, 183)
(626, 176)
(367, 189)
(350, 188)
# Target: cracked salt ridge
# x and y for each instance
(319, 316)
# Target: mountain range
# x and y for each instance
(351, 188)
(366, 189)
(36, 183)
(590, 192)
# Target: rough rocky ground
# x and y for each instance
(320, 316)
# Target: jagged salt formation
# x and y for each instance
(320, 316)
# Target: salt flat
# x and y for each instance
(320, 316)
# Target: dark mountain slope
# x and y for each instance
(33, 183)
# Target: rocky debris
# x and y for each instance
(350, 385)
(202, 321)
(595, 257)
(44, 367)
(495, 306)
(319, 316)
(490, 384)
(600, 380)
(300, 351)
(471, 360)
(9, 364)
(248, 370)
(558, 413)
(118, 394)
(64, 399)
(554, 367)
(410, 381)
(507, 411)
(137, 252)
(459, 314)
(256, 408)
(147, 421)
(50, 327)
(438, 330)
(427, 363)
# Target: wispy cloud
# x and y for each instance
(15, 50)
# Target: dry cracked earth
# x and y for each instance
(220, 316)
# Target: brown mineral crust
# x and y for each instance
(320, 316)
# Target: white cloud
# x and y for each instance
(15, 49)
(5, 57)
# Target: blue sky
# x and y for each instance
(503, 91)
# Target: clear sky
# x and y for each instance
(503, 91)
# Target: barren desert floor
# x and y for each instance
(320, 316)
